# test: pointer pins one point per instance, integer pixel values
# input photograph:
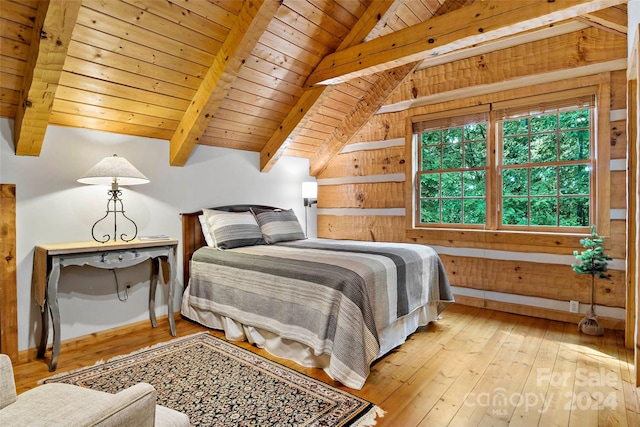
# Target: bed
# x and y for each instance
(338, 305)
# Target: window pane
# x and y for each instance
(574, 211)
(451, 184)
(430, 211)
(575, 145)
(474, 211)
(575, 119)
(475, 132)
(515, 150)
(474, 183)
(514, 211)
(515, 182)
(543, 123)
(544, 148)
(544, 211)
(430, 185)
(432, 137)
(452, 136)
(431, 158)
(475, 154)
(453, 162)
(451, 211)
(574, 179)
(452, 156)
(543, 181)
(515, 127)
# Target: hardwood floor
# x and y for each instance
(474, 367)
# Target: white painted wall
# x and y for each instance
(53, 207)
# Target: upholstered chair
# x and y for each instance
(68, 405)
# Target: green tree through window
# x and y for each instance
(541, 177)
(452, 175)
(546, 170)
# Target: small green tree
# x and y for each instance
(593, 261)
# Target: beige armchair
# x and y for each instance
(69, 405)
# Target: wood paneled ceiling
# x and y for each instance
(290, 77)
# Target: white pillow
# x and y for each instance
(205, 230)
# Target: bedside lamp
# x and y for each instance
(114, 171)
(310, 196)
(309, 193)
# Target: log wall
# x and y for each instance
(363, 195)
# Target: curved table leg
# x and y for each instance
(45, 330)
(52, 298)
(155, 268)
(171, 259)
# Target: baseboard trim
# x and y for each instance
(541, 312)
(31, 354)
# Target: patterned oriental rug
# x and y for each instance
(218, 383)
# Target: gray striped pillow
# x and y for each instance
(232, 229)
(279, 225)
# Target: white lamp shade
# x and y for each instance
(113, 169)
(309, 190)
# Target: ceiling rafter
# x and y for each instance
(611, 19)
(54, 23)
(252, 21)
(375, 15)
(484, 21)
(358, 116)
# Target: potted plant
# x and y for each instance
(594, 262)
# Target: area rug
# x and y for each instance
(217, 383)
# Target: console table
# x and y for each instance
(49, 259)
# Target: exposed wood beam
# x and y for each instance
(54, 23)
(567, 27)
(378, 12)
(358, 116)
(252, 21)
(566, 56)
(383, 15)
(515, 83)
(480, 22)
(611, 19)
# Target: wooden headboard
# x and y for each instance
(192, 237)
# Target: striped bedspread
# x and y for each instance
(331, 295)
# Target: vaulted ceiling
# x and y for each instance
(289, 77)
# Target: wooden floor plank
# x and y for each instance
(428, 380)
(561, 380)
(432, 378)
(458, 394)
(584, 405)
(537, 388)
(629, 391)
(392, 371)
(514, 372)
(489, 403)
(607, 386)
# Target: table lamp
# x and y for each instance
(114, 171)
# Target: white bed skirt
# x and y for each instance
(390, 337)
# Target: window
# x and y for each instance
(452, 170)
(540, 176)
(545, 169)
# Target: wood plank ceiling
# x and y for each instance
(290, 77)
